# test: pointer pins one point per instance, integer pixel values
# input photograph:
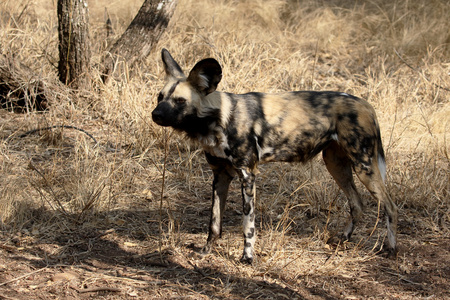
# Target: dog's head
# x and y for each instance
(182, 97)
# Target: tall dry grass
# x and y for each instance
(396, 54)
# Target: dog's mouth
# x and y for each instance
(160, 122)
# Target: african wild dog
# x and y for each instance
(238, 132)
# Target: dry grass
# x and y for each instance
(60, 193)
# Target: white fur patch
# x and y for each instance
(225, 109)
(382, 167)
(335, 137)
(262, 151)
(203, 81)
(215, 226)
(258, 148)
(244, 174)
(214, 101)
(215, 143)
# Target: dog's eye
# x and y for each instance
(179, 100)
(160, 97)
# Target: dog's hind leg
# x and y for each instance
(340, 167)
(372, 178)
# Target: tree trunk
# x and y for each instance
(141, 35)
(74, 48)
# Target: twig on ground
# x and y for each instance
(98, 289)
(197, 269)
(401, 277)
(58, 126)
(23, 276)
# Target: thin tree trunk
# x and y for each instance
(141, 35)
(74, 47)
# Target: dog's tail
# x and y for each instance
(381, 158)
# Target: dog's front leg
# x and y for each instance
(223, 175)
(248, 200)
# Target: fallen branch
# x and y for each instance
(98, 289)
(58, 126)
(23, 276)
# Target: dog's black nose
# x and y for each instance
(156, 116)
(160, 117)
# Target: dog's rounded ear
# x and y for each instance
(170, 65)
(205, 76)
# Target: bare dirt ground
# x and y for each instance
(115, 258)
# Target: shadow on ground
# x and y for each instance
(119, 257)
